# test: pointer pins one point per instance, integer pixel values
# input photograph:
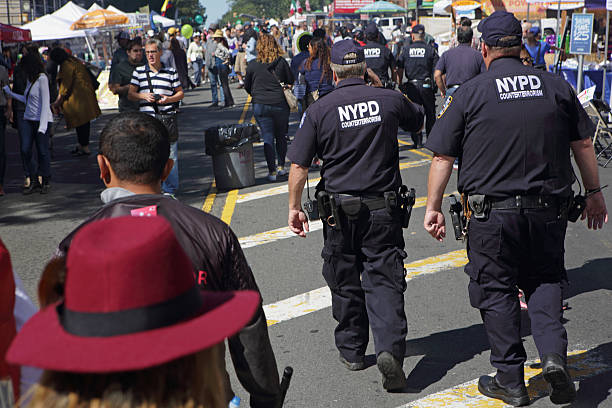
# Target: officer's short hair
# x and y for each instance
(351, 70)
(464, 35)
(137, 147)
(372, 37)
(512, 51)
(419, 36)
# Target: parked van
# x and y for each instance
(388, 24)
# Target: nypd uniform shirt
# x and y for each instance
(354, 131)
(511, 127)
(379, 59)
(418, 60)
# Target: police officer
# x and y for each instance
(458, 65)
(354, 131)
(378, 57)
(417, 62)
(512, 128)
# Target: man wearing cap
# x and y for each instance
(123, 38)
(354, 131)
(417, 61)
(213, 74)
(512, 129)
(134, 159)
(536, 48)
(458, 65)
(378, 57)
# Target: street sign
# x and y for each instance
(581, 36)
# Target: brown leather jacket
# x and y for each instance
(219, 264)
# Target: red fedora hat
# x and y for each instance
(130, 302)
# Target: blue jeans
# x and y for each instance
(29, 137)
(171, 184)
(21, 129)
(273, 121)
(213, 75)
(197, 71)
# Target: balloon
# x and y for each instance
(199, 19)
(187, 31)
(238, 21)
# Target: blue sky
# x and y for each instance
(214, 9)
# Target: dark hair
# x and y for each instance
(465, 22)
(137, 147)
(322, 52)
(132, 43)
(319, 33)
(174, 44)
(358, 35)
(304, 41)
(464, 35)
(58, 55)
(372, 36)
(32, 65)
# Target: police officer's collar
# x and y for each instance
(500, 62)
(350, 82)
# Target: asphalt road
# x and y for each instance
(446, 344)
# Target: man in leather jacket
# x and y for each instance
(133, 161)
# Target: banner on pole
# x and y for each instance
(581, 36)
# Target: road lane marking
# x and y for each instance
(245, 109)
(210, 198)
(582, 364)
(318, 299)
(420, 152)
(255, 195)
(229, 206)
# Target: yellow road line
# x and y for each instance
(245, 109)
(210, 198)
(420, 152)
(317, 299)
(230, 205)
(582, 364)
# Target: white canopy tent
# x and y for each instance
(442, 7)
(51, 27)
(94, 7)
(70, 12)
(295, 19)
(163, 21)
(115, 9)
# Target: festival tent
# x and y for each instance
(442, 7)
(163, 21)
(9, 33)
(94, 7)
(50, 27)
(114, 9)
(379, 7)
(69, 12)
(295, 19)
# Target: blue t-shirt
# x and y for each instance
(296, 62)
(538, 54)
(314, 78)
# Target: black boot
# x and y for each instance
(516, 397)
(393, 377)
(554, 371)
(33, 187)
(45, 186)
(417, 139)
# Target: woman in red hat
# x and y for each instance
(133, 328)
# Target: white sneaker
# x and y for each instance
(272, 177)
(281, 171)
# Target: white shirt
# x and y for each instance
(38, 104)
(195, 51)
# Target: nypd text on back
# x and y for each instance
(519, 87)
(359, 114)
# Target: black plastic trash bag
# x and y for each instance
(228, 138)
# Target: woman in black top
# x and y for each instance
(180, 59)
(263, 82)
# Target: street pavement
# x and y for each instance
(447, 348)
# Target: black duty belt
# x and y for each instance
(526, 202)
(372, 202)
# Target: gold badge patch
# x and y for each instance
(445, 106)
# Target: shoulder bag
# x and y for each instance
(292, 101)
(167, 118)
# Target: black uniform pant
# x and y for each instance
(364, 269)
(518, 249)
(422, 94)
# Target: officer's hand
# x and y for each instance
(595, 211)
(434, 223)
(298, 222)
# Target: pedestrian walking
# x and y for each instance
(317, 71)
(121, 53)
(222, 62)
(536, 47)
(213, 71)
(363, 254)
(76, 99)
(120, 78)
(88, 344)
(517, 205)
(378, 57)
(159, 90)
(180, 60)
(195, 54)
(133, 184)
(417, 61)
(458, 65)
(37, 117)
(263, 82)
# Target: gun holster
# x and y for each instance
(328, 208)
(405, 199)
(480, 206)
(577, 204)
(457, 217)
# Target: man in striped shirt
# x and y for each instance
(159, 91)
